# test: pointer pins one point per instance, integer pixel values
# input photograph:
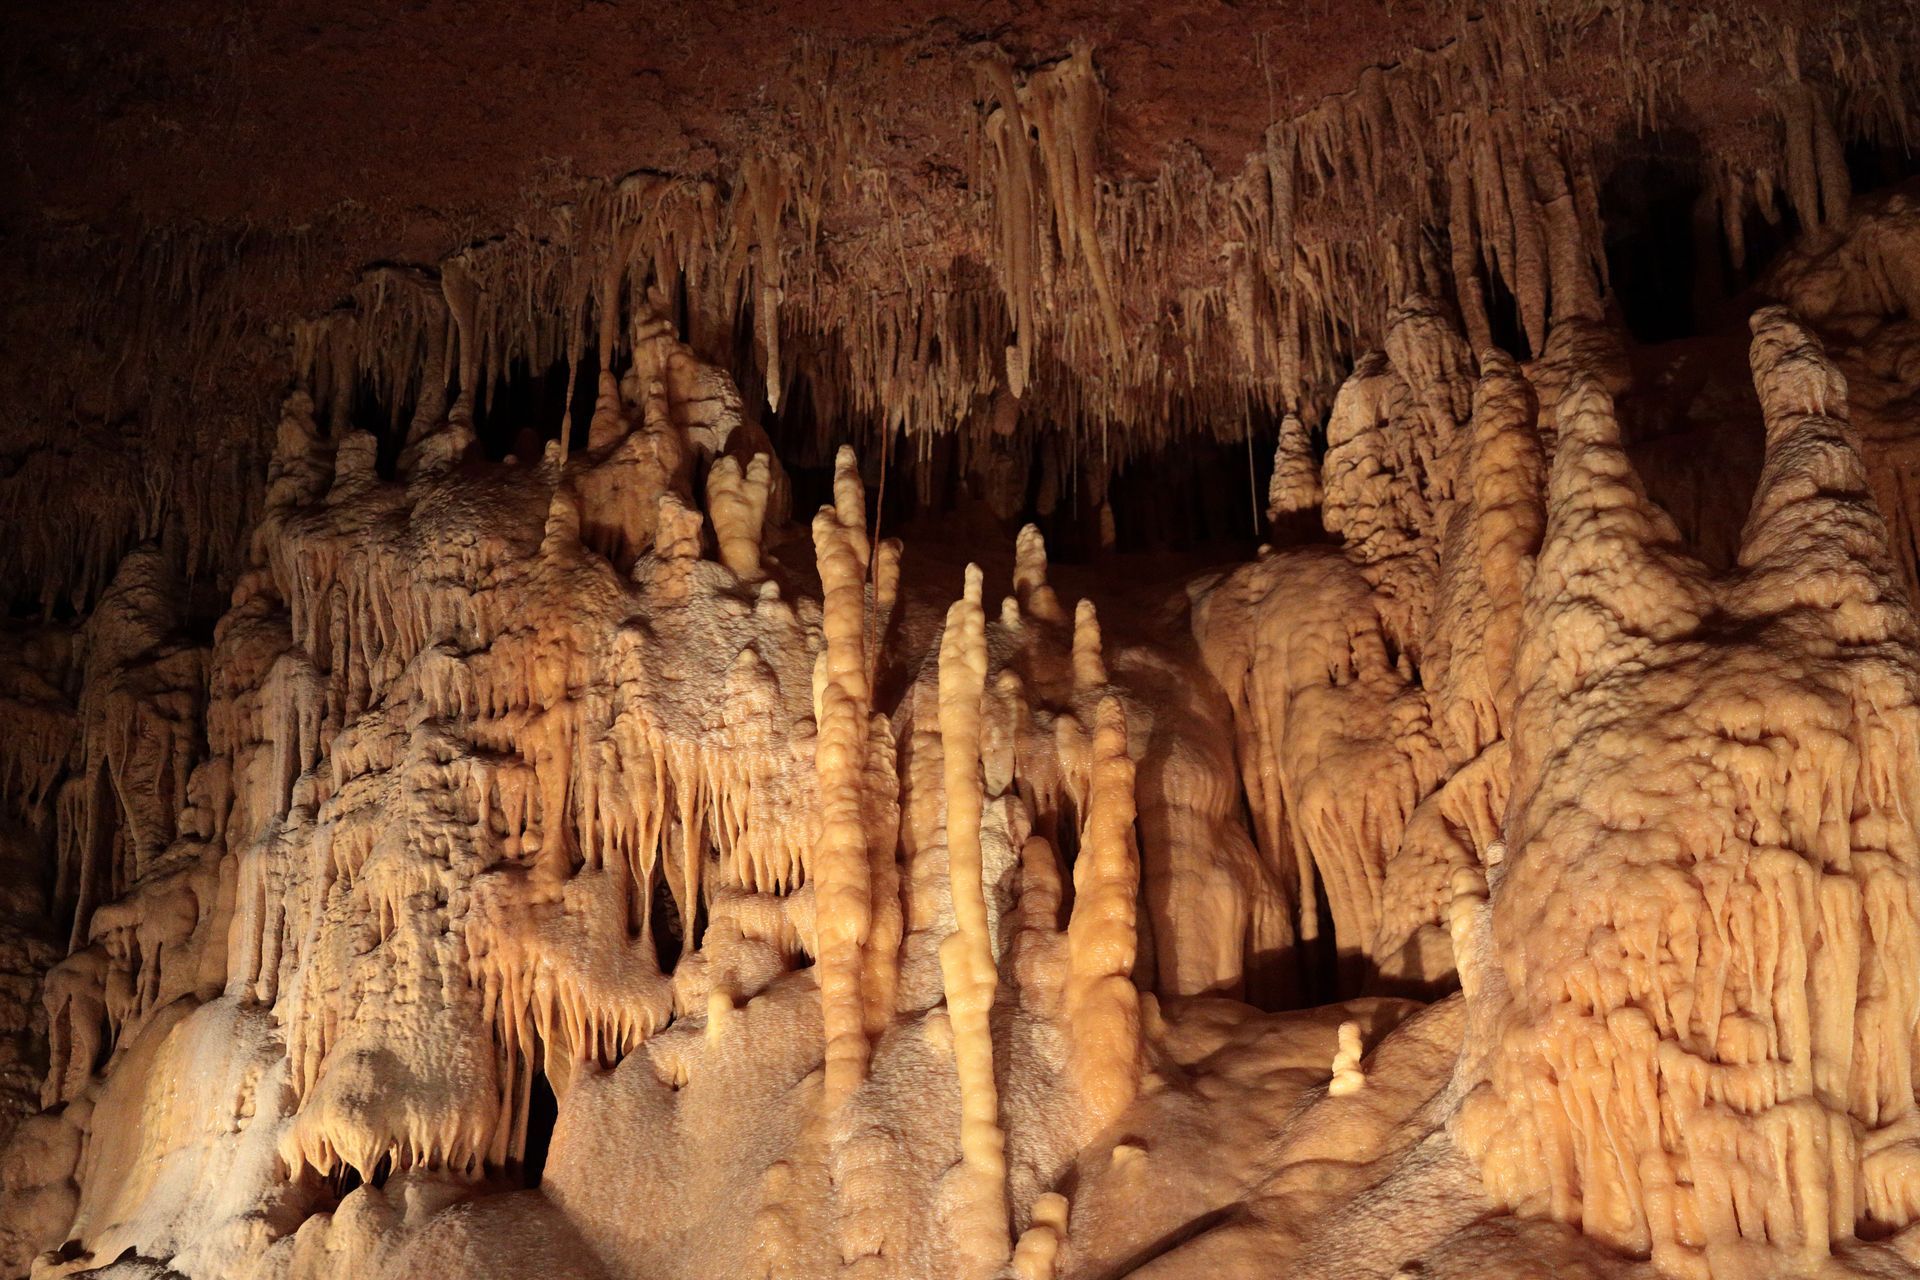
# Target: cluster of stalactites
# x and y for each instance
(1351, 665)
(147, 948)
(482, 714)
(1110, 314)
(138, 828)
(1488, 533)
(37, 671)
(1329, 229)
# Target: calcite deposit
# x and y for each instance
(1026, 721)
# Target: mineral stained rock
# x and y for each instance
(616, 837)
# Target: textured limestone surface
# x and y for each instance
(624, 837)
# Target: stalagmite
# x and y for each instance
(842, 879)
(1034, 1257)
(451, 827)
(1089, 665)
(1294, 489)
(1347, 1076)
(966, 956)
(1760, 1091)
(1102, 1005)
(737, 505)
(1036, 598)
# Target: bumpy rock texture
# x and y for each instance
(497, 836)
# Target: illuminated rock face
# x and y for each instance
(1702, 925)
(588, 864)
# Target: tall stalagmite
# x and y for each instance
(455, 819)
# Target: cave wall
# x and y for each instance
(471, 817)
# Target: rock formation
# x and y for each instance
(719, 734)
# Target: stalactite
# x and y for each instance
(569, 779)
(1074, 254)
(1463, 245)
(1064, 103)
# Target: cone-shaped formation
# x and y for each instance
(1701, 921)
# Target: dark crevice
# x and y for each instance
(1649, 203)
(543, 1113)
(669, 933)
